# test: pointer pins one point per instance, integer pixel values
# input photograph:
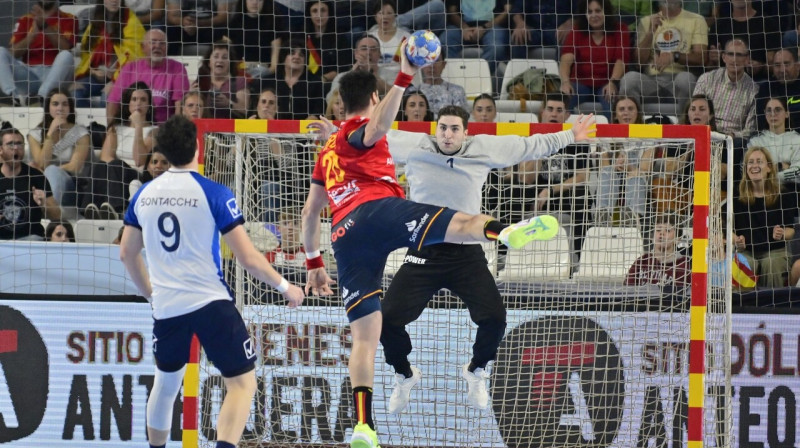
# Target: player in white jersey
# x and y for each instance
(179, 217)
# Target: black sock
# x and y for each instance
(492, 229)
(221, 444)
(362, 398)
(404, 369)
(471, 367)
(158, 446)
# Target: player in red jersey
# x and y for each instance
(355, 176)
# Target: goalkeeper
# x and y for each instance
(449, 170)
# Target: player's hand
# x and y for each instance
(584, 127)
(294, 296)
(323, 128)
(405, 66)
(318, 282)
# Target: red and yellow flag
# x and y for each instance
(396, 57)
(314, 59)
(743, 275)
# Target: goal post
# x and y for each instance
(586, 360)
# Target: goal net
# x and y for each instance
(604, 345)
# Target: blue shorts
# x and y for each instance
(364, 238)
(221, 332)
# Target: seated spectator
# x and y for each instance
(484, 109)
(669, 43)
(152, 13)
(366, 55)
(537, 23)
(59, 232)
(257, 34)
(194, 23)
(322, 42)
(699, 111)
(664, 266)
(626, 110)
(60, 148)
(594, 55)
(290, 250)
(623, 182)
(265, 105)
(300, 92)
(414, 107)
(783, 144)
(745, 18)
(335, 108)
(166, 77)
(440, 92)
(389, 35)
(422, 15)
(733, 88)
(113, 38)
(38, 59)
(784, 83)
(156, 164)
(763, 218)
(478, 23)
(224, 89)
(192, 105)
(25, 195)
(130, 138)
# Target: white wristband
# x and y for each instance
(315, 254)
(283, 286)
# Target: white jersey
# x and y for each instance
(181, 215)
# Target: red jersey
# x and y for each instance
(648, 269)
(41, 51)
(594, 62)
(353, 176)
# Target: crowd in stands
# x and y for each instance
(732, 65)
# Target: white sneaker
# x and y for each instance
(402, 389)
(477, 396)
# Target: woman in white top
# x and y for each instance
(389, 35)
(60, 148)
(129, 138)
(782, 143)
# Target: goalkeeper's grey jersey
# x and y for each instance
(456, 180)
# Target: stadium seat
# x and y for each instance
(85, 116)
(518, 66)
(599, 119)
(100, 231)
(608, 253)
(660, 108)
(471, 74)
(544, 53)
(672, 118)
(191, 64)
(531, 106)
(75, 10)
(539, 261)
(516, 117)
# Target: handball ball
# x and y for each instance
(423, 48)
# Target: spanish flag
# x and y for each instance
(396, 57)
(743, 275)
(314, 59)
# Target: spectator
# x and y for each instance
(484, 109)
(113, 38)
(744, 19)
(668, 44)
(335, 108)
(257, 34)
(322, 41)
(783, 144)
(664, 266)
(627, 111)
(38, 58)
(192, 105)
(224, 89)
(440, 92)
(421, 15)
(784, 83)
(414, 107)
(478, 23)
(157, 164)
(539, 23)
(389, 35)
(290, 249)
(25, 195)
(265, 105)
(764, 215)
(300, 92)
(191, 23)
(366, 55)
(166, 77)
(699, 111)
(59, 232)
(150, 12)
(130, 138)
(60, 148)
(594, 55)
(292, 11)
(732, 90)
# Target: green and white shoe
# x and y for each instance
(364, 437)
(538, 228)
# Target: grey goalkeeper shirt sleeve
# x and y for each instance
(456, 180)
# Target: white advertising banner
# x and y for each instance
(78, 374)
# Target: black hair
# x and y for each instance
(610, 23)
(401, 114)
(457, 111)
(127, 94)
(177, 140)
(11, 130)
(330, 26)
(484, 96)
(51, 228)
(356, 89)
(45, 124)
(379, 4)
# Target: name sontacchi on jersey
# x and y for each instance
(181, 215)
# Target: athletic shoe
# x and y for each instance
(477, 396)
(92, 212)
(541, 228)
(364, 437)
(402, 389)
(109, 211)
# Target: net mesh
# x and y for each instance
(586, 360)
